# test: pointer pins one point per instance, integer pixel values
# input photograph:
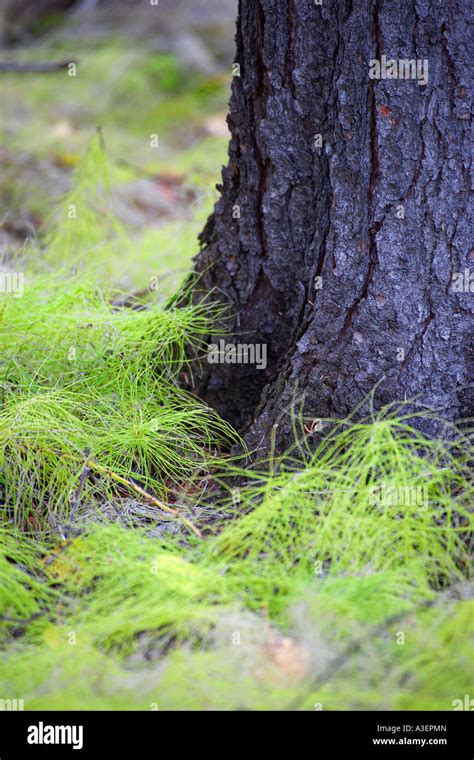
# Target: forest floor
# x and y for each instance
(133, 573)
(161, 194)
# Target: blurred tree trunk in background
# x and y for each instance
(198, 34)
(341, 237)
(21, 18)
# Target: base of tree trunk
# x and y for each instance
(342, 236)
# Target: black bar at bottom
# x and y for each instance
(129, 734)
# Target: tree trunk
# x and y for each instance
(347, 255)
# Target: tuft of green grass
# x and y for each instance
(375, 494)
(85, 220)
(91, 407)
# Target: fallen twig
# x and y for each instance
(92, 465)
(138, 489)
(77, 495)
(26, 621)
(31, 67)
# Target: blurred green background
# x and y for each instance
(141, 71)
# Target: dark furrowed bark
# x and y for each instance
(340, 257)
